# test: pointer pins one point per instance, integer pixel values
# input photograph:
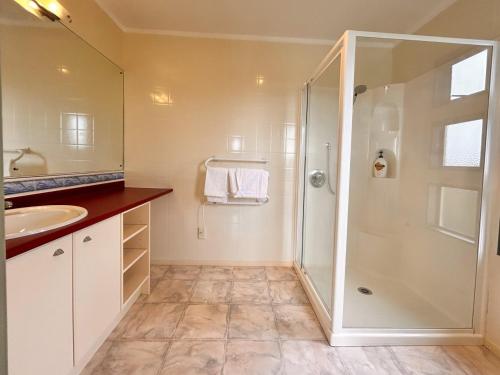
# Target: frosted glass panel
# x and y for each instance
(469, 75)
(462, 144)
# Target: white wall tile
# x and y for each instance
(216, 103)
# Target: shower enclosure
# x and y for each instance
(399, 259)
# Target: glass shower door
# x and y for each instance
(320, 180)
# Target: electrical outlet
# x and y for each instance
(202, 233)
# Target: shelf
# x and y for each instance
(131, 256)
(135, 252)
(131, 230)
(132, 284)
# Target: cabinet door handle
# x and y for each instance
(87, 239)
(58, 252)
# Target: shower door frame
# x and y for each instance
(338, 335)
(324, 316)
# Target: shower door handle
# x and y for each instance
(317, 178)
(328, 146)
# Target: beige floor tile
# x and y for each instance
(118, 331)
(280, 273)
(297, 322)
(152, 284)
(97, 359)
(158, 271)
(311, 358)
(194, 357)
(287, 292)
(252, 322)
(154, 321)
(369, 361)
(249, 273)
(183, 272)
(250, 292)
(252, 358)
(203, 322)
(428, 360)
(174, 291)
(139, 343)
(211, 291)
(216, 273)
(474, 359)
(133, 358)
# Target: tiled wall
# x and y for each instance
(187, 99)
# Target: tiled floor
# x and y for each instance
(253, 320)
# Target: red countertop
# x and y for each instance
(101, 203)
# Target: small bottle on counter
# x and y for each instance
(380, 166)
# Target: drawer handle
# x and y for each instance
(87, 239)
(58, 252)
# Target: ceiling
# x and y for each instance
(309, 20)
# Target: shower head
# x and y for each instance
(360, 89)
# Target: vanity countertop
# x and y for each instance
(101, 204)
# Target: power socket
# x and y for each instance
(202, 233)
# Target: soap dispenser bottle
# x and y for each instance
(380, 166)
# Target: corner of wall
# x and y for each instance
(91, 23)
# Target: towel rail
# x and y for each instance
(239, 203)
(233, 160)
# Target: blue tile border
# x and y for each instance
(28, 186)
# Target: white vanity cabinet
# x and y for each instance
(39, 310)
(96, 283)
(65, 297)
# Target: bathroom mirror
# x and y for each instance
(62, 100)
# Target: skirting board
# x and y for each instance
(229, 263)
(494, 348)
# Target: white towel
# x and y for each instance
(249, 183)
(217, 199)
(233, 186)
(216, 184)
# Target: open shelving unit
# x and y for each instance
(131, 230)
(135, 252)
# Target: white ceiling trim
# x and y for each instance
(417, 26)
(259, 38)
(188, 34)
(110, 15)
(256, 38)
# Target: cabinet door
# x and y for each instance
(39, 310)
(97, 275)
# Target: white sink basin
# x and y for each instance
(20, 222)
